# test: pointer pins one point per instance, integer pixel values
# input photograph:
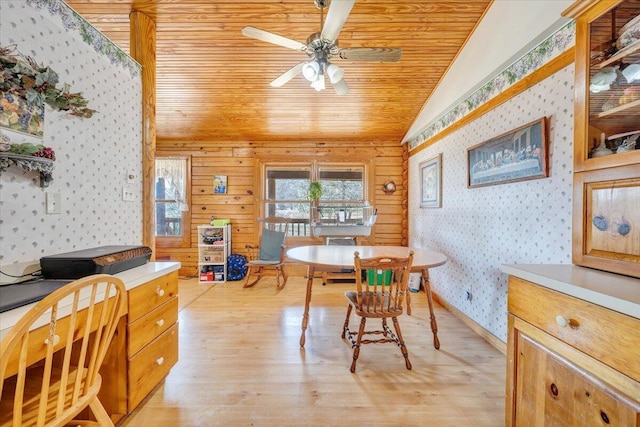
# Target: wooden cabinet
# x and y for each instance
(152, 335)
(606, 213)
(569, 362)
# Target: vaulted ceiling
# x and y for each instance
(213, 82)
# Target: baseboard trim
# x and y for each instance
(475, 327)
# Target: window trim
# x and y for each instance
(314, 166)
(183, 241)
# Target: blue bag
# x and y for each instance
(236, 267)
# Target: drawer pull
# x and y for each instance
(160, 360)
(160, 322)
(56, 340)
(160, 292)
(561, 321)
(604, 417)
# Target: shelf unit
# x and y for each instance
(43, 166)
(214, 246)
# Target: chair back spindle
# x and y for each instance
(68, 333)
(381, 286)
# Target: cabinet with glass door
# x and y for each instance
(606, 214)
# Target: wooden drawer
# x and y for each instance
(148, 327)
(594, 330)
(149, 366)
(147, 297)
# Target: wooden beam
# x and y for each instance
(143, 50)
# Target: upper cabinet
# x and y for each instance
(607, 99)
(606, 214)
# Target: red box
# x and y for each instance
(206, 276)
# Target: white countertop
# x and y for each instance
(614, 291)
(131, 278)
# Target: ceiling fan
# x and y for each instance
(323, 46)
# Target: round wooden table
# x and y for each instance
(324, 257)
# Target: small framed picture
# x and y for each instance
(431, 182)
(219, 184)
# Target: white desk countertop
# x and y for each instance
(614, 291)
(131, 278)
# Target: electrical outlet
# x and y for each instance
(127, 194)
(53, 203)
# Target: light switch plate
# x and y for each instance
(127, 194)
(53, 203)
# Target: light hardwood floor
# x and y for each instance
(241, 365)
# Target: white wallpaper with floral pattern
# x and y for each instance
(93, 156)
(479, 229)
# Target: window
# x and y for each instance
(342, 184)
(171, 202)
(286, 186)
(285, 195)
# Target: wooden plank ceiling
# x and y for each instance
(213, 83)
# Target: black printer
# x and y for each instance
(59, 270)
(100, 260)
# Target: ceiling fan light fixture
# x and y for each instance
(341, 87)
(335, 73)
(318, 84)
(311, 70)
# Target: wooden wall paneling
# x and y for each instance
(404, 203)
(240, 162)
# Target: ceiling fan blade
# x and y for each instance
(336, 17)
(265, 36)
(379, 54)
(341, 87)
(287, 75)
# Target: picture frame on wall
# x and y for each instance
(219, 184)
(518, 155)
(431, 182)
(20, 116)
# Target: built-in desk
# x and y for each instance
(145, 345)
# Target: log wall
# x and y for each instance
(240, 203)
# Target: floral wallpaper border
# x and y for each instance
(74, 22)
(551, 47)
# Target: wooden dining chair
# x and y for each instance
(270, 253)
(67, 334)
(380, 295)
